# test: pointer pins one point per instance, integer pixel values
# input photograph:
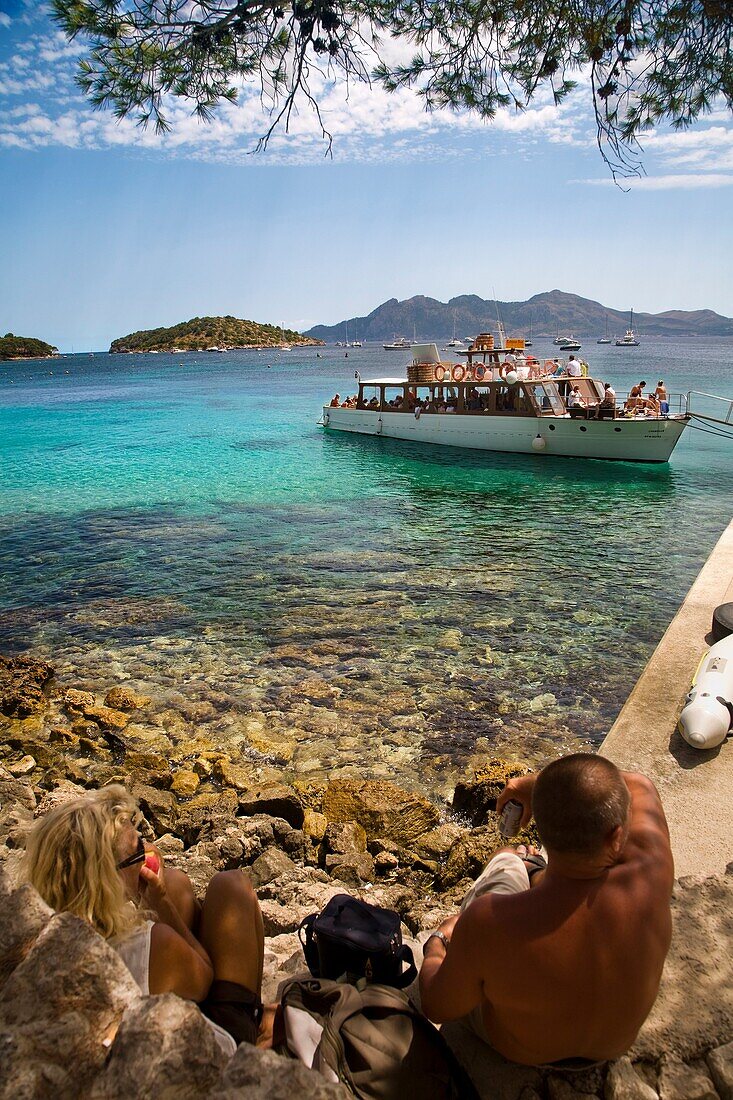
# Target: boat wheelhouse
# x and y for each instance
(484, 404)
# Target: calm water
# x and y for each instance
(323, 603)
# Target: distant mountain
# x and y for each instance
(549, 313)
(201, 333)
(25, 347)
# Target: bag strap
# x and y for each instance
(405, 955)
(306, 926)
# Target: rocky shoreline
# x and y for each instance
(70, 1018)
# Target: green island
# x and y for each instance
(25, 347)
(210, 333)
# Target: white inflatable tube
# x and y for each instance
(706, 718)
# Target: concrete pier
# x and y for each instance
(696, 787)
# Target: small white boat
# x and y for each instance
(400, 343)
(629, 339)
(605, 339)
(571, 344)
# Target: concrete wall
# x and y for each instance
(696, 787)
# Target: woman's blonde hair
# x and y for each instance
(72, 855)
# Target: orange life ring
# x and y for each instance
(550, 365)
(458, 372)
(439, 373)
(480, 371)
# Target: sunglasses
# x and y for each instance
(138, 856)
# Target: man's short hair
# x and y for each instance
(577, 803)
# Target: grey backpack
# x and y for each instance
(373, 1039)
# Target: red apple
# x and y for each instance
(152, 862)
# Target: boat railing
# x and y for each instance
(708, 406)
(677, 402)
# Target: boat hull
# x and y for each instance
(637, 440)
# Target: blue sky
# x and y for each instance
(106, 229)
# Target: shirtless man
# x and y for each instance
(570, 967)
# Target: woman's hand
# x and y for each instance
(152, 883)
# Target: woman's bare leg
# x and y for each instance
(180, 892)
(231, 930)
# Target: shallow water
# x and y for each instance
(372, 606)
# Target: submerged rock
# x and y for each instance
(381, 808)
(22, 680)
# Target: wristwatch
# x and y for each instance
(438, 935)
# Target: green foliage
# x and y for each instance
(25, 347)
(201, 333)
(650, 61)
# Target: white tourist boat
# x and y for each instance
(480, 406)
(400, 343)
(629, 339)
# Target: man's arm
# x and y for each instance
(450, 982)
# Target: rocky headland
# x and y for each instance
(210, 334)
(73, 1021)
(25, 347)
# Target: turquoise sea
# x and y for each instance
(335, 604)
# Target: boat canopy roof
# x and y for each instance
(383, 381)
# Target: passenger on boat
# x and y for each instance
(374, 403)
(575, 399)
(662, 397)
(575, 367)
(562, 959)
(607, 404)
(335, 402)
(636, 398)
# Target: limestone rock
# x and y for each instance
(76, 702)
(283, 959)
(720, 1064)
(64, 791)
(202, 810)
(558, 1088)
(476, 798)
(158, 806)
(353, 870)
(314, 824)
(24, 916)
(232, 775)
(469, 855)
(436, 844)
(276, 799)
(106, 718)
(15, 824)
(269, 866)
(22, 767)
(185, 783)
(22, 681)
(124, 698)
(680, 1082)
(493, 1077)
(57, 1009)
(254, 1074)
(382, 809)
(164, 1048)
(15, 791)
(345, 838)
(623, 1083)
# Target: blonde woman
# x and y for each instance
(87, 857)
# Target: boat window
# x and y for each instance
(552, 401)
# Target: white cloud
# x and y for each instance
(5, 19)
(680, 181)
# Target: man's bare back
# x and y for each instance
(571, 967)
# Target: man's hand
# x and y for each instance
(520, 790)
